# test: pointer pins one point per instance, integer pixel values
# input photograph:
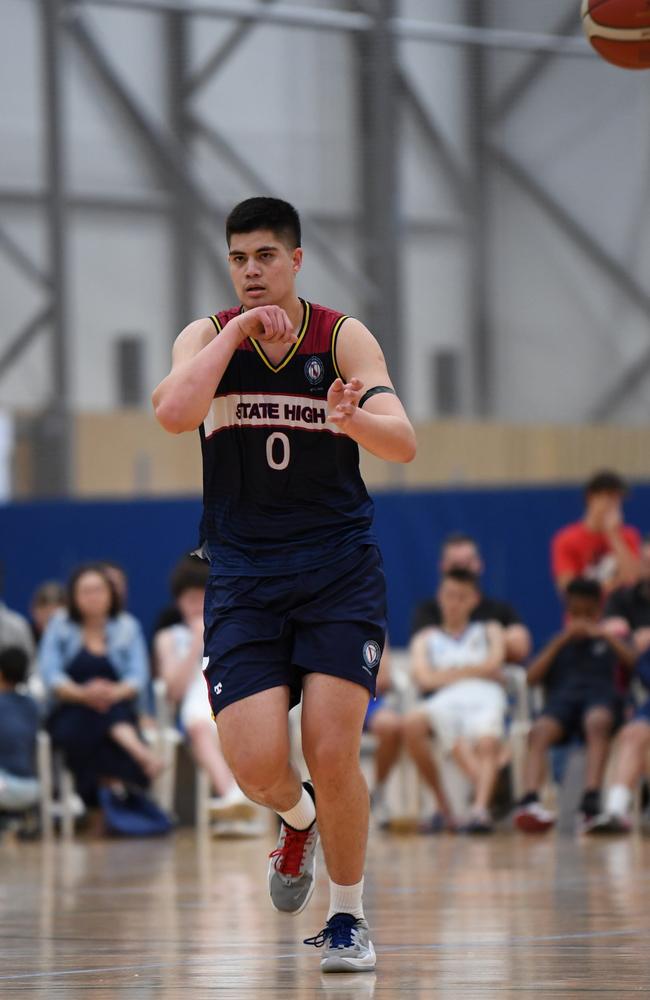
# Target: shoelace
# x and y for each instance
(290, 855)
(338, 930)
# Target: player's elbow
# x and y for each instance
(408, 448)
(170, 417)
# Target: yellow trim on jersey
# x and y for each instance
(217, 324)
(288, 356)
(335, 332)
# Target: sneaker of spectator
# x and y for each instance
(461, 551)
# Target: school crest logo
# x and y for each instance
(314, 370)
(371, 655)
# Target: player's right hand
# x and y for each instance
(269, 324)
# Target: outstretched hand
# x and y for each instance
(343, 401)
(269, 324)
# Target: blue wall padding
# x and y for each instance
(45, 540)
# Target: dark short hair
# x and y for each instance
(265, 213)
(461, 575)
(458, 538)
(14, 662)
(47, 593)
(188, 574)
(605, 481)
(93, 567)
(581, 586)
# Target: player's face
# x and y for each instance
(262, 268)
(457, 600)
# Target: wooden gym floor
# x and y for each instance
(451, 918)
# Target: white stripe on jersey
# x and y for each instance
(256, 409)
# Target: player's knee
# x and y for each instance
(258, 774)
(329, 759)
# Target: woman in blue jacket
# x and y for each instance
(93, 663)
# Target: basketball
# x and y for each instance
(619, 30)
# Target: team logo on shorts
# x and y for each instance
(371, 655)
(314, 370)
(218, 688)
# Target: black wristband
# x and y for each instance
(374, 392)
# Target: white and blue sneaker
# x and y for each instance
(346, 943)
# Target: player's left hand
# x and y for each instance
(343, 400)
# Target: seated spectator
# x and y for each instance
(627, 611)
(631, 763)
(94, 668)
(578, 671)
(19, 722)
(15, 630)
(178, 650)
(386, 726)
(458, 666)
(47, 599)
(600, 546)
(460, 551)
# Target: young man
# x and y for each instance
(600, 546)
(283, 392)
(460, 551)
(457, 665)
(578, 671)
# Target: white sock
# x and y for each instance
(619, 798)
(302, 814)
(346, 899)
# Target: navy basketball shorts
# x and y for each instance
(265, 632)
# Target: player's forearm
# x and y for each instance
(183, 398)
(389, 437)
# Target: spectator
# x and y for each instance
(578, 671)
(386, 726)
(47, 599)
(94, 667)
(627, 611)
(19, 722)
(631, 763)
(15, 631)
(458, 666)
(460, 551)
(146, 703)
(600, 546)
(179, 654)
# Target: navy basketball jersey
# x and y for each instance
(282, 491)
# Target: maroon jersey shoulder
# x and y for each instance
(322, 324)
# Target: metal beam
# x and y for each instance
(592, 249)
(480, 329)
(182, 216)
(222, 53)
(58, 432)
(532, 71)
(283, 15)
(378, 181)
(22, 340)
(23, 260)
(163, 153)
(331, 20)
(345, 273)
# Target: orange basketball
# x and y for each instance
(619, 30)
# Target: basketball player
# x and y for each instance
(283, 392)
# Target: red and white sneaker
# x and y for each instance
(534, 818)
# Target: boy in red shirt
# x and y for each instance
(599, 546)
